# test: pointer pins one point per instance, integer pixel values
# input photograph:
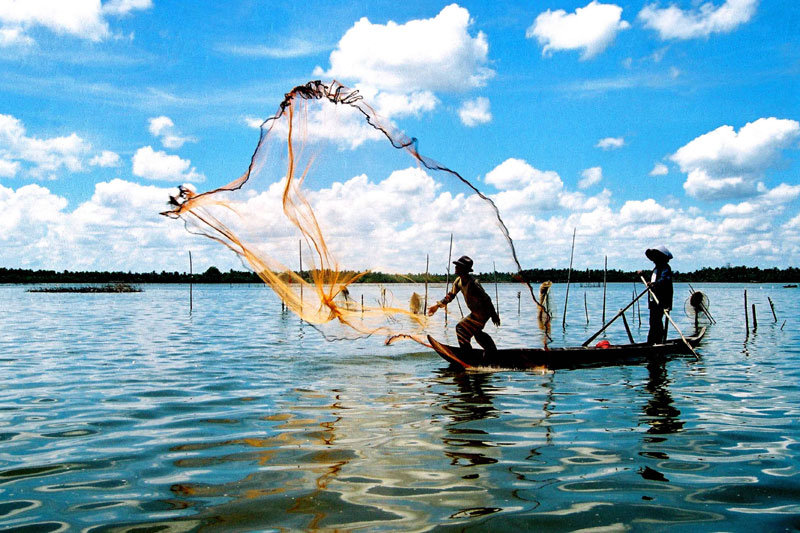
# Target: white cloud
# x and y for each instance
(428, 54)
(8, 169)
(591, 28)
(610, 143)
(675, 23)
(291, 49)
(163, 128)
(413, 60)
(157, 165)
(105, 159)
(84, 19)
(118, 228)
(645, 212)
(124, 7)
(43, 157)
(397, 105)
(725, 164)
(659, 169)
(474, 112)
(591, 176)
(516, 173)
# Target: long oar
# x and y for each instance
(674, 325)
(601, 330)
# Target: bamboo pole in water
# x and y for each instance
(300, 250)
(772, 307)
(190, 281)
(605, 271)
(746, 319)
(627, 329)
(427, 265)
(755, 320)
(447, 282)
(586, 307)
(569, 273)
(496, 295)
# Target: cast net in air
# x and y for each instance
(330, 174)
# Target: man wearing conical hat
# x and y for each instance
(661, 285)
(480, 306)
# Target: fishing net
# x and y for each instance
(332, 179)
(697, 308)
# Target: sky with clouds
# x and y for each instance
(634, 123)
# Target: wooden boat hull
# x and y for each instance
(570, 357)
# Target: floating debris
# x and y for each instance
(108, 287)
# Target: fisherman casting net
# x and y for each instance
(330, 174)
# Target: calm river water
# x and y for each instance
(124, 412)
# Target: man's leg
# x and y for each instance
(466, 329)
(656, 332)
(486, 342)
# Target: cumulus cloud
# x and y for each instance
(659, 169)
(84, 19)
(610, 143)
(105, 159)
(8, 169)
(474, 112)
(591, 28)
(591, 176)
(118, 228)
(675, 23)
(157, 165)
(417, 58)
(163, 128)
(41, 157)
(724, 163)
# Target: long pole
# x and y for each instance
(569, 273)
(601, 330)
(447, 283)
(496, 295)
(586, 307)
(674, 325)
(300, 251)
(746, 319)
(772, 306)
(190, 281)
(427, 260)
(605, 271)
(755, 320)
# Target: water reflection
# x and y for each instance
(660, 412)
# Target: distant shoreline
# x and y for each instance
(738, 274)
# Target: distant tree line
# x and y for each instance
(556, 275)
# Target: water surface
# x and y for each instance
(125, 412)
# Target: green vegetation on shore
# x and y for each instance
(213, 275)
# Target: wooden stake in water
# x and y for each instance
(605, 271)
(586, 307)
(190, 281)
(519, 302)
(772, 307)
(755, 320)
(300, 250)
(746, 319)
(496, 296)
(569, 273)
(427, 261)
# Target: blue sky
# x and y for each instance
(638, 123)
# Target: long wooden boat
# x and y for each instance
(570, 357)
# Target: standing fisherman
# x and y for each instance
(479, 304)
(661, 285)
